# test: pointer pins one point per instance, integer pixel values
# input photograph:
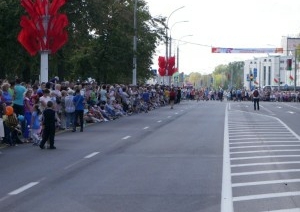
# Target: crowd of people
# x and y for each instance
(26, 108)
(23, 105)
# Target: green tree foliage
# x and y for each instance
(100, 43)
(195, 78)
(14, 61)
(230, 75)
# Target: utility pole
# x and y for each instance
(134, 44)
(295, 78)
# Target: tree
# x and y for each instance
(100, 43)
(195, 79)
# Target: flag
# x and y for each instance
(291, 77)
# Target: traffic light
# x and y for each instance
(251, 77)
(289, 64)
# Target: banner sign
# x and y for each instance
(246, 50)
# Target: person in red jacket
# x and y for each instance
(172, 97)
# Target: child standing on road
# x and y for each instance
(48, 124)
(36, 125)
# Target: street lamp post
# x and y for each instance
(167, 27)
(295, 75)
(134, 44)
(170, 37)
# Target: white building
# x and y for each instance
(273, 70)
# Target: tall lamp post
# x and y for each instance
(170, 37)
(167, 27)
(134, 44)
(295, 74)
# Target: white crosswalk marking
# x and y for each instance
(264, 163)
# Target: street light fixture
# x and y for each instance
(167, 27)
(170, 37)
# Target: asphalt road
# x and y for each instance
(207, 156)
(164, 160)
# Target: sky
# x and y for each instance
(224, 23)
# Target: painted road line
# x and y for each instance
(265, 146)
(254, 138)
(292, 106)
(262, 142)
(92, 155)
(262, 132)
(269, 151)
(291, 112)
(126, 137)
(286, 210)
(265, 172)
(23, 188)
(265, 182)
(159, 121)
(268, 156)
(263, 164)
(226, 198)
(265, 196)
(269, 111)
(146, 128)
(169, 117)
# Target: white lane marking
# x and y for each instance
(159, 121)
(265, 196)
(268, 156)
(262, 142)
(23, 188)
(291, 112)
(265, 146)
(176, 113)
(265, 172)
(269, 111)
(269, 151)
(286, 210)
(226, 198)
(267, 137)
(263, 164)
(169, 116)
(145, 128)
(268, 134)
(265, 182)
(92, 155)
(73, 164)
(292, 106)
(126, 137)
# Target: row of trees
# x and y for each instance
(225, 76)
(100, 42)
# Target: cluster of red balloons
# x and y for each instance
(166, 66)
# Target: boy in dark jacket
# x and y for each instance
(48, 123)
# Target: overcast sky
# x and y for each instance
(224, 23)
